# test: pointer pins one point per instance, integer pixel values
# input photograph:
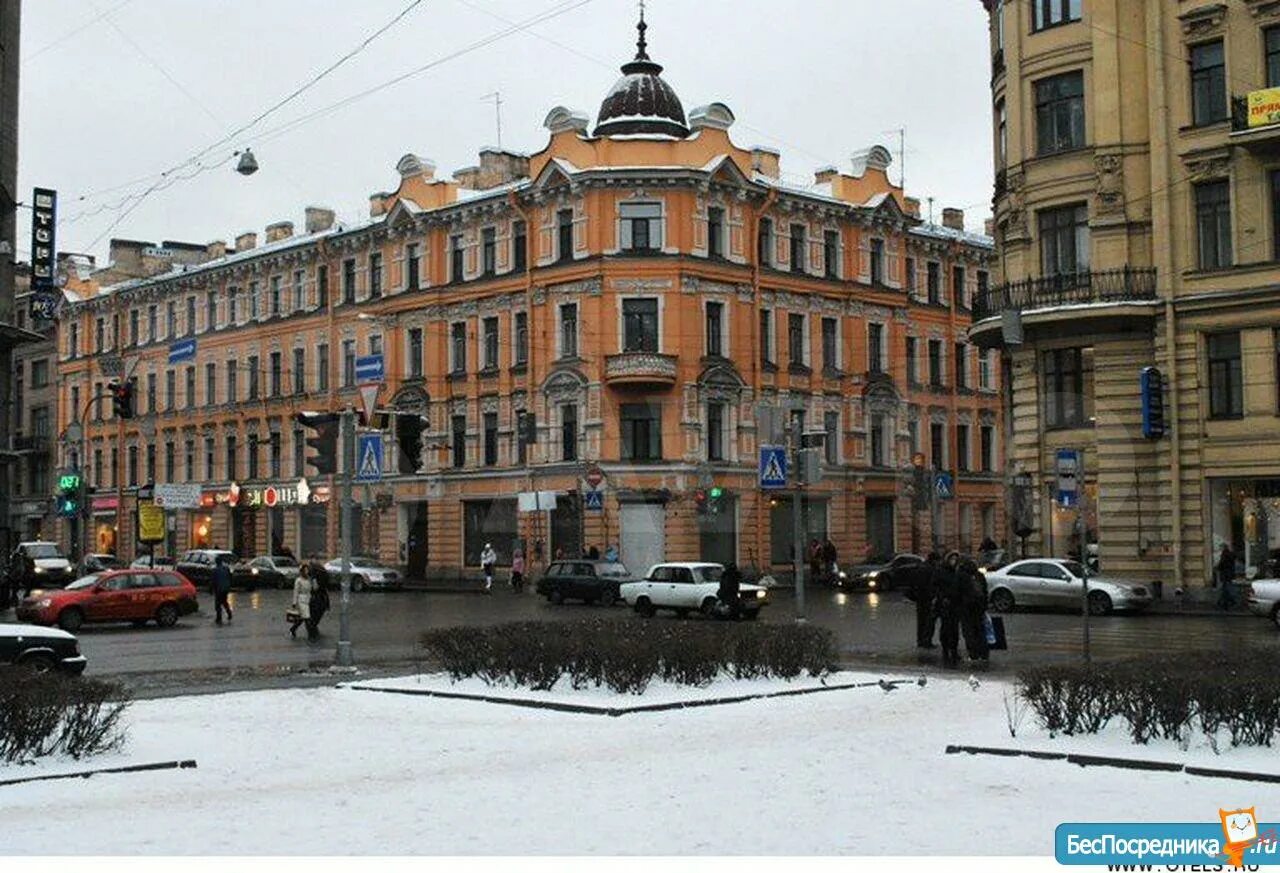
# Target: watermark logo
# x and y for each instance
(1240, 832)
(1237, 837)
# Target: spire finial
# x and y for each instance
(641, 54)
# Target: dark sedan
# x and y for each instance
(588, 581)
(883, 576)
(40, 649)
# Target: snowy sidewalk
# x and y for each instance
(848, 772)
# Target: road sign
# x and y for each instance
(944, 485)
(178, 495)
(1068, 477)
(369, 369)
(773, 467)
(1151, 384)
(593, 500)
(594, 476)
(369, 400)
(182, 351)
(369, 452)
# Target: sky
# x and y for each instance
(115, 93)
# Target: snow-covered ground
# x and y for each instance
(337, 771)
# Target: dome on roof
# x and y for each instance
(641, 102)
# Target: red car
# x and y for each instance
(135, 595)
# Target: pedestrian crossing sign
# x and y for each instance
(773, 467)
(369, 455)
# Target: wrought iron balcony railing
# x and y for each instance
(1129, 284)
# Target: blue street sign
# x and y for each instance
(182, 351)
(593, 500)
(773, 467)
(1068, 477)
(944, 486)
(369, 369)
(369, 457)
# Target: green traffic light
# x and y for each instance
(69, 482)
(716, 492)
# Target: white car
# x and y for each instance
(684, 587)
(1056, 582)
(365, 573)
(1264, 599)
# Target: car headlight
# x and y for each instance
(254, 571)
(760, 595)
(843, 575)
(871, 581)
(43, 604)
(40, 570)
(874, 574)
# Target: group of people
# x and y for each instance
(489, 563)
(950, 595)
(310, 596)
(822, 559)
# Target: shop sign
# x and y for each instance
(1264, 107)
(299, 493)
(105, 503)
(151, 526)
(178, 495)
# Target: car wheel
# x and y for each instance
(1099, 603)
(70, 619)
(644, 606)
(556, 597)
(357, 584)
(708, 607)
(40, 663)
(1002, 600)
(606, 598)
(167, 615)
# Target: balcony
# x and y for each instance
(1080, 298)
(640, 368)
(1255, 121)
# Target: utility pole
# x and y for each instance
(344, 658)
(1084, 556)
(794, 436)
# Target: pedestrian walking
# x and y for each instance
(729, 592)
(1226, 575)
(517, 570)
(947, 585)
(299, 612)
(611, 554)
(814, 557)
(829, 556)
(319, 604)
(488, 560)
(922, 590)
(973, 609)
(221, 589)
(594, 553)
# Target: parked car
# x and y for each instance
(684, 587)
(366, 572)
(98, 563)
(1056, 582)
(273, 571)
(991, 559)
(40, 649)
(148, 561)
(138, 596)
(588, 581)
(197, 564)
(1264, 599)
(39, 564)
(879, 577)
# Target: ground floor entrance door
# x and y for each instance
(880, 541)
(643, 538)
(416, 548)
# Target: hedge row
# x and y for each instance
(1172, 698)
(627, 656)
(49, 714)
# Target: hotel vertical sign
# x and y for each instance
(44, 291)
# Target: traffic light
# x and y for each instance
(700, 501)
(68, 501)
(325, 439)
(121, 399)
(708, 500)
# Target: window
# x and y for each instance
(831, 444)
(170, 461)
(151, 323)
(766, 336)
(299, 453)
(40, 373)
(348, 363)
(191, 316)
(412, 265)
(911, 277)
(253, 377)
(1060, 113)
(75, 402)
(322, 367)
(1208, 83)
(764, 243)
(133, 325)
(232, 382)
(933, 272)
(878, 453)
(641, 229)
(1226, 384)
(488, 251)
(1064, 241)
(984, 284)
(564, 234)
(962, 447)
(458, 348)
(830, 345)
(715, 431)
(375, 275)
(1064, 388)
(522, 446)
(831, 254)
(715, 232)
(715, 329)
(253, 301)
(189, 459)
(491, 343)
(276, 374)
(875, 348)
(210, 383)
(877, 262)
(938, 445)
(568, 330)
(569, 432)
(962, 366)
(797, 248)
(1271, 39)
(795, 340)
(299, 290)
(151, 462)
(1047, 13)
(640, 325)
(519, 246)
(415, 353)
(299, 370)
(987, 436)
(322, 286)
(1213, 223)
(100, 335)
(986, 373)
(490, 439)
(233, 300)
(522, 339)
(252, 471)
(641, 432)
(132, 465)
(210, 316)
(275, 297)
(935, 363)
(913, 370)
(349, 280)
(957, 288)
(171, 390)
(1002, 135)
(233, 468)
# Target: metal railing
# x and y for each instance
(1100, 286)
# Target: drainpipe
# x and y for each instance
(755, 358)
(1163, 159)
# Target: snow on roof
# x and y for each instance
(468, 194)
(938, 231)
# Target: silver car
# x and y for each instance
(1264, 599)
(1056, 582)
(366, 572)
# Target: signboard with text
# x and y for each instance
(177, 495)
(151, 526)
(1264, 107)
(45, 295)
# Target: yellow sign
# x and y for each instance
(150, 522)
(1264, 107)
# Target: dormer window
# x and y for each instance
(641, 227)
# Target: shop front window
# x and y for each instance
(1245, 515)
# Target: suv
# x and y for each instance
(40, 649)
(138, 596)
(197, 564)
(588, 581)
(39, 565)
(685, 587)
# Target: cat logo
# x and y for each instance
(1240, 828)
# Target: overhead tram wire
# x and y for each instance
(74, 31)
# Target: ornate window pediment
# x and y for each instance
(564, 384)
(721, 382)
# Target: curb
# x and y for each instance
(1117, 763)
(189, 764)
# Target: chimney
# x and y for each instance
(216, 249)
(764, 161)
(498, 167)
(378, 203)
(279, 230)
(319, 219)
(911, 206)
(468, 177)
(989, 227)
(246, 241)
(824, 175)
(953, 218)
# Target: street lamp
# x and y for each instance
(248, 164)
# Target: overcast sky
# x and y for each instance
(119, 91)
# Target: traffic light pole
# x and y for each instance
(797, 538)
(343, 657)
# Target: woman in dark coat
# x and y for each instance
(947, 585)
(973, 609)
(730, 588)
(319, 600)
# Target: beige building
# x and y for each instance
(1137, 211)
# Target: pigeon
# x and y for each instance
(922, 681)
(973, 682)
(887, 686)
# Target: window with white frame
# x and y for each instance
(490, 342)
(879, 440)
(520, 341)
(986, 375)
(798, 339)
(715, 232)
(830, 345)
(640, 324)
(715, 318)
(458, 348)
(877, 350)
(716, 420)
(641, 227)
(567, 336)
(766, 337)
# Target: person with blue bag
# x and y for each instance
(973, 610)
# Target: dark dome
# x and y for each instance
(641, 102)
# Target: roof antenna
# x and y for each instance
(641, 54)
(496, 96)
